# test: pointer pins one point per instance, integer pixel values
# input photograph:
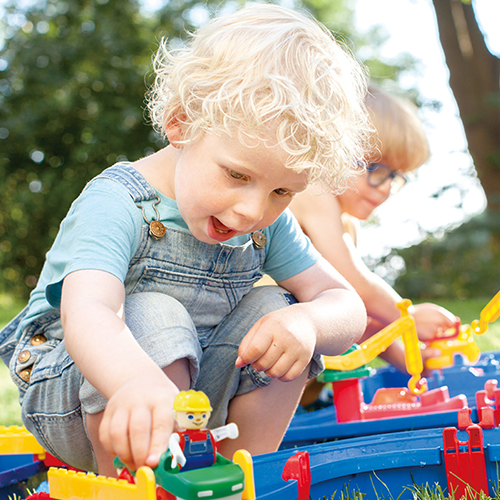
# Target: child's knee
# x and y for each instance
(269, 298)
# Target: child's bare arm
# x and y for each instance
(138, 420)
(320, 217)
(329, 318)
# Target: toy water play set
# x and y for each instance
(385, 435)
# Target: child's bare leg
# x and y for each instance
(263, 416)
(103, 459)
(178, 372)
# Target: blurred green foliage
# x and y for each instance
(71, 97)
(462, 265)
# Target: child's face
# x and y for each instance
(224, 188)
(362, 199)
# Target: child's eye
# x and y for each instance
(281, 191)
(236, 175)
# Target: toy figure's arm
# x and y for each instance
(175, 449)
(226, 431)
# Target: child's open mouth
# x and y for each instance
(220, 232)
(219, 227)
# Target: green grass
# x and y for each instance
(10, 411)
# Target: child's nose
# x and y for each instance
(251, 208)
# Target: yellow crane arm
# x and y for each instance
(403, 327)
(490, 313)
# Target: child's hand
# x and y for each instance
(431, 320)
(138, 421)
(281, 344)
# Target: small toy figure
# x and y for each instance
(195, 446)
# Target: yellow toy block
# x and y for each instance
(244, 460)
(17, 440)
(70, 485)
(463, 344)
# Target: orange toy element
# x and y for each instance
(490, 313)
(393, 395)
(244, 460)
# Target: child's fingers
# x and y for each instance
(269, 358)
(114, 436)
(140, 435)
(430, 352)
(294, 371)
(287, 368)
(162, 428)
(279, 367)
(253, 346)
(104, 434)
(241, 360)
(104, 437)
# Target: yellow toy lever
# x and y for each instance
(490, 313)
(403, 327)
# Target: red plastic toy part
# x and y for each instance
(393, 402)
(465, 470)
(298, 467)
(489, 400)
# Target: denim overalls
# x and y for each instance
(184, 299)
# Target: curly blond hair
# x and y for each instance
(273, 74)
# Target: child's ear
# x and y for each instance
(173, 130)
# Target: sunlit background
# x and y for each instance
(404, 218)
(423, 206)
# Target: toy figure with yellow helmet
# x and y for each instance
(195, 446)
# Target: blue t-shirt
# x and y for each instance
(102, 231)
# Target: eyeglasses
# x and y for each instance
(378, 173)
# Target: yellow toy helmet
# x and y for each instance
(192, 401)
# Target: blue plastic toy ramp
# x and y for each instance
(14, 469)
(321, 425)
(385, 466)
(371, 465)
(462, 378)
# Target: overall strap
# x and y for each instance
(138, 187)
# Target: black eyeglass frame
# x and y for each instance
(390, 174)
